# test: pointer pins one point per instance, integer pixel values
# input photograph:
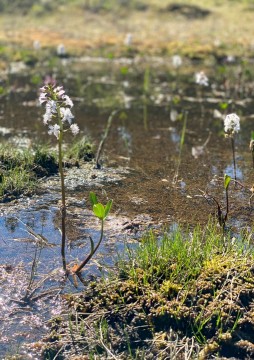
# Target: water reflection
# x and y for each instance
(229, 170)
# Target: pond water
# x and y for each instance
(139, 163)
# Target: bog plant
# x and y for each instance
(175, 178)
(59, 119)
(231, 127)
(101, 212)
(227, 180)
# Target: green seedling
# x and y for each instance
(227, 180)
(101, 212)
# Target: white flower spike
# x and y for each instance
(231, 124)
(176, 61)
(58, 106)
(201, 79)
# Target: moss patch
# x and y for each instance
(212, 313)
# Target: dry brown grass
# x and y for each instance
(229, 27)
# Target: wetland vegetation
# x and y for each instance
(162, 96)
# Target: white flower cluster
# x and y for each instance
(176, 61)
(231, 124)
(58, 108)
(201, 79)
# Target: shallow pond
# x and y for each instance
(139, 167)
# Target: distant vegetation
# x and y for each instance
(26, 5)
(37, 6)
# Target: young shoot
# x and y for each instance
(101, 212)
(227, 180)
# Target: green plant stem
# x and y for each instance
(104, 138)
(227, 205)
(233, 150)
(181, 148)
(93, 250)
(63, 206)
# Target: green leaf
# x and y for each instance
(223, 105)
(107, 208)
(93, 198)
(227, 180)
(99, 211)
(252, 135)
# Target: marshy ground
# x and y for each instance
(173, 293)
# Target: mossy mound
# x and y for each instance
(211, 316)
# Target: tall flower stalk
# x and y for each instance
(58, 117)
(231, 127)
(202, 81)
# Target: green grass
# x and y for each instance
(20, 169)
(178, 257)
(81, 149)
(183, 290)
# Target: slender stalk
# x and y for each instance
(233, 150)
(104, 138)
(227, 205)
(175, 178)
(63, 207)
(93, 250)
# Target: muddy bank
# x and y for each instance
(122, 318)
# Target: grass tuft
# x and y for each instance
(175, 296)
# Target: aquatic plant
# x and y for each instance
(58, 106)
(227, 180)
(231, 127)
(175, 178)
(101, 212)
(177, 63)
(201, 79)
(104, 138)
